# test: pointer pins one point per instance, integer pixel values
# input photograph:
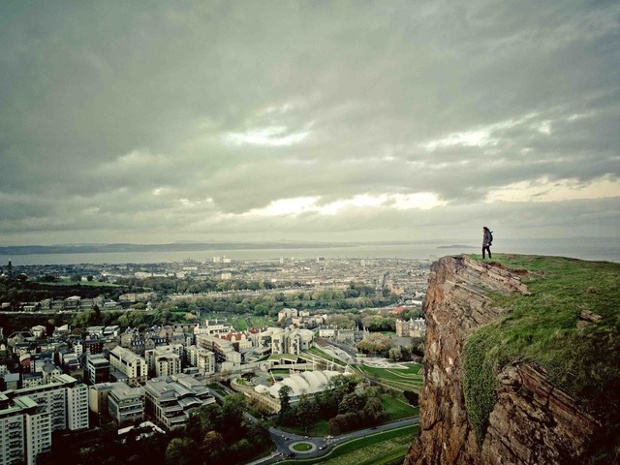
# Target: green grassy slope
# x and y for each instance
(548, 328)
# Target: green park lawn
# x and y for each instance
(322, 354)
(374, 449)
(410, 378)
(396, 409)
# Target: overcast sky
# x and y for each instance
(153, 122)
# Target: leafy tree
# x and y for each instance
(97, 320)
(335, 426)
(285, 404)
(222, 434)
(343, 422)
(340, 386)
(417, 346)
(194, 426)
(351, 403)
(259, 434)
(377, 343)
(341, 321)
(241, 450)
(123, 320)
(232, 415)
(373, 410)
(307, 410)
(210, 417)
(373, 391)
(213, 446)
(180, 451)
(395, 354)
(261, 310)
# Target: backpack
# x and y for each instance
(490, 237)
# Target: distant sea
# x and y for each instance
(596, 249)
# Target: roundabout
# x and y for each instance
(302, 447)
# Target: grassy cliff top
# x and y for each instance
(569, 325)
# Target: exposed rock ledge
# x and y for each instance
(533, 422)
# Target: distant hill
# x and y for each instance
(183, 246)
(172, 247)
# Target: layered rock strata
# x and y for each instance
(532, 422)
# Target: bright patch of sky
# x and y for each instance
(300, 205)
(546, 190)
(269, 136)
(479, 137)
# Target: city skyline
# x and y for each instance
(160, 122)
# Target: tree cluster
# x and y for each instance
(341, 404)
(354, 296)
(17, 291)
(217, 434)
(375, 344)
(212, 435)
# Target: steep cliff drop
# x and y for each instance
(531, 421)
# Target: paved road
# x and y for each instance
(322, 444)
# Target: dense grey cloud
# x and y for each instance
(238, 120)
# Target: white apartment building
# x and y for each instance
(52, 398)
(77, 406)
(168, 400)
(32, 379)
(12, 432)
(28, 416)
(167, 364)
(202, 358)
(65, 399)
(126, 404)
(128, 363)
(38, 431)
(224, 349)
(164, 360)
(298, 340)
(327, 332)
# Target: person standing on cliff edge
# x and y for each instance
(487, 239)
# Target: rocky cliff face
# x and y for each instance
(532, 422)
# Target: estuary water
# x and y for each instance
(596, 249)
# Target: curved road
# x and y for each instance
(322, 444)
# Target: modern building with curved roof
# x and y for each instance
(307, 382)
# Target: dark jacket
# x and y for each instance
(487, 238)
